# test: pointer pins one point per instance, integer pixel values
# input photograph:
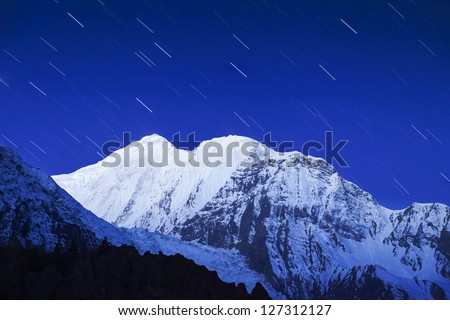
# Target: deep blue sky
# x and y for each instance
(392, 76)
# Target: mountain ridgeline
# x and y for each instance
(53, 248)
(288, 222)
(36, 212)
(300, 229)
(110, 272)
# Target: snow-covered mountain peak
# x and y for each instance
(225, 140)
(153, 138)
(153, 176)
(229, 153)
(424, 211)
(292, 217)
(421, 206)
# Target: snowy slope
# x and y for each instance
(292, 219)
(230, 265)
(174, 192)
(36, 212)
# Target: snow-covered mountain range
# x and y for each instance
(36, 212)
(53, 248)
(289, 221)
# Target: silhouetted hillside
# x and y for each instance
(110, 273)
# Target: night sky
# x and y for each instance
(74, 74)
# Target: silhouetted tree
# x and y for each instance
(105, 246)
(117, 273)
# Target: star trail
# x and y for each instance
(74, 75)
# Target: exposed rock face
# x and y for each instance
(295, 221)
(36, 212)
(48, 250)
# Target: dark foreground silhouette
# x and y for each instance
(110, 273)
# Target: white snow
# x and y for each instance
(344, 227)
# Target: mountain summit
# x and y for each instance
(290, 218)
